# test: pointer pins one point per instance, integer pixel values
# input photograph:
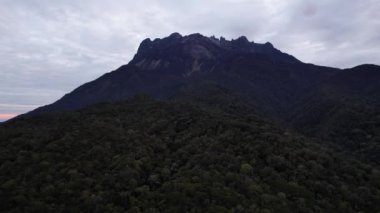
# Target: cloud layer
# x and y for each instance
(48, 48)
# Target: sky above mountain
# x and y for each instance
(47, 48)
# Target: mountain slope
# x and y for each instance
(173, 156)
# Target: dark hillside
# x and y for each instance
(147, 156)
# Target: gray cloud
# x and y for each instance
(48, 48)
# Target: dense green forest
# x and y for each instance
(350, 125)
(144, 155)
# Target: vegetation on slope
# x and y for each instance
(147, 156)
(350, 124)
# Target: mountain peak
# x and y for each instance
(268, 44)
(241, 41)
(144, 45)
(175, 35)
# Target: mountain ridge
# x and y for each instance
(241, 44)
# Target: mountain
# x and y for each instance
(313, 100)
(163, 67)
(144, 155)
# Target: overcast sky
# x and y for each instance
(49, 47)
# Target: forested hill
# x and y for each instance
(143, 155)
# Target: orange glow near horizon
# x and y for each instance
(7, 116)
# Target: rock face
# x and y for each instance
(201, 47)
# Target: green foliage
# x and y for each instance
(246, 169)
(347, 123)
(149, 156)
